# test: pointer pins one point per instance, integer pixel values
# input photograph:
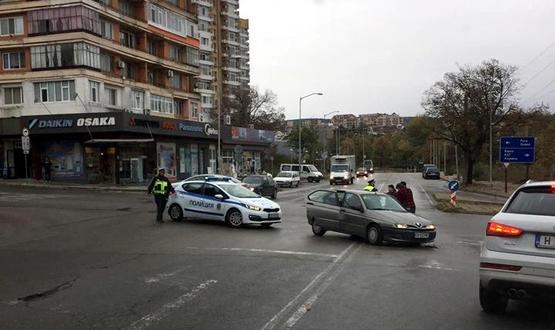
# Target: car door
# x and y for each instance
(352, 220)
(323, 209)
(212, 206)
(190, 199)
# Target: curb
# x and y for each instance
(73, 187)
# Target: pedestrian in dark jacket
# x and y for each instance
(391, 191)
(47, 164)
(405, 197)
(161, 187)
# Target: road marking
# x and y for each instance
(297, 253)
(147, 320)
(312, 284)
(427, 196)
(307, 305)
(432, 264)
(158, 277)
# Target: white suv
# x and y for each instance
(518, 256)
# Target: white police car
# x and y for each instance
(227, 201)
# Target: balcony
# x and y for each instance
(232, 82)
(233, 2)
(207, 3)
(207, 77)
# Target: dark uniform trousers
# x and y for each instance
(161, 200)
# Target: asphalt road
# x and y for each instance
(88, 259)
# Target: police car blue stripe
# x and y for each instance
(209, 198)
(204, 212)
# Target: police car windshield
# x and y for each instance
(238, 191)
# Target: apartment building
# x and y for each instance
(108, 89)
(224, 56)
(380, 120)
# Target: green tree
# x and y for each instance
(462, 104)
(310, 142)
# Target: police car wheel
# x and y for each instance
(234, 218)
(175, 212)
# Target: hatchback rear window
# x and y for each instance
(539, 200)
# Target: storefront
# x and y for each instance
(125, 148)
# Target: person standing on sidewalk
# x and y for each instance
(405, 197)
(47, 168)
(161, 187)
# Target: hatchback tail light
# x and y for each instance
(498, 229)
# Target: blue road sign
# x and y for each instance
(517, 149)
(454, 185)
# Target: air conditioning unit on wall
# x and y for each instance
(227, 120)
(121, 64)
(170, 74)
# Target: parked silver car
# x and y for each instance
(518, 255)
(373, 216)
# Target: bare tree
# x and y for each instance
(253, 108)
(464, 102)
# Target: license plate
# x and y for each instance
(421, 235)
(545, 241)
(273, 215)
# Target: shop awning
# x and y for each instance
(97, 141)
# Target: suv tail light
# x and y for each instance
(498, 229)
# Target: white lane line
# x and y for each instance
(148, 320)
(158, 277)
(307, 305)
(297, 253)
(427, 195)
(274, 320)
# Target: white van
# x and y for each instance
(309, 173)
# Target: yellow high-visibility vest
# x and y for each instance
(369, 188)
(160, 187)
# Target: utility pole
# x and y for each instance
(457, 162)
(445, 158)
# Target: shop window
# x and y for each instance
(15, 60)
(13, 95)
(54, 91)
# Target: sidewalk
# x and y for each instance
(71, 185)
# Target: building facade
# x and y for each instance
(224, 56)
(109, 90)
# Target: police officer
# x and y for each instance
(161, 187)
(371, 187)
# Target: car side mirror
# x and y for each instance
(219, 196)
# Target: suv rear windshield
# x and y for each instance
(538, 200)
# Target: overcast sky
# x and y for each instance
(380, 56)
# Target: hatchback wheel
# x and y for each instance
(176, 212)
(234, 218)
(317, 230)
(492, 302)
(375, 236)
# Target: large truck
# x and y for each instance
(342, 169)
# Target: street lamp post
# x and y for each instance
(301, 126)
(325, 134)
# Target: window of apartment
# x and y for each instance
(127, 39)
(54, 91)
(111, 95)
(175, 81)
(106, 30)
(63, 19)
(194, 110)
(191, 56)
(174, 53)
(138, 99)
(95, 91)
(106, 63)
(161, 104)
(15, 60)
(65, 55)
(152, 47)
(11, 25)
(202, 26)
(125, 8)
(13, 95)
(204, 41)
(205, 70)
(171, 21)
